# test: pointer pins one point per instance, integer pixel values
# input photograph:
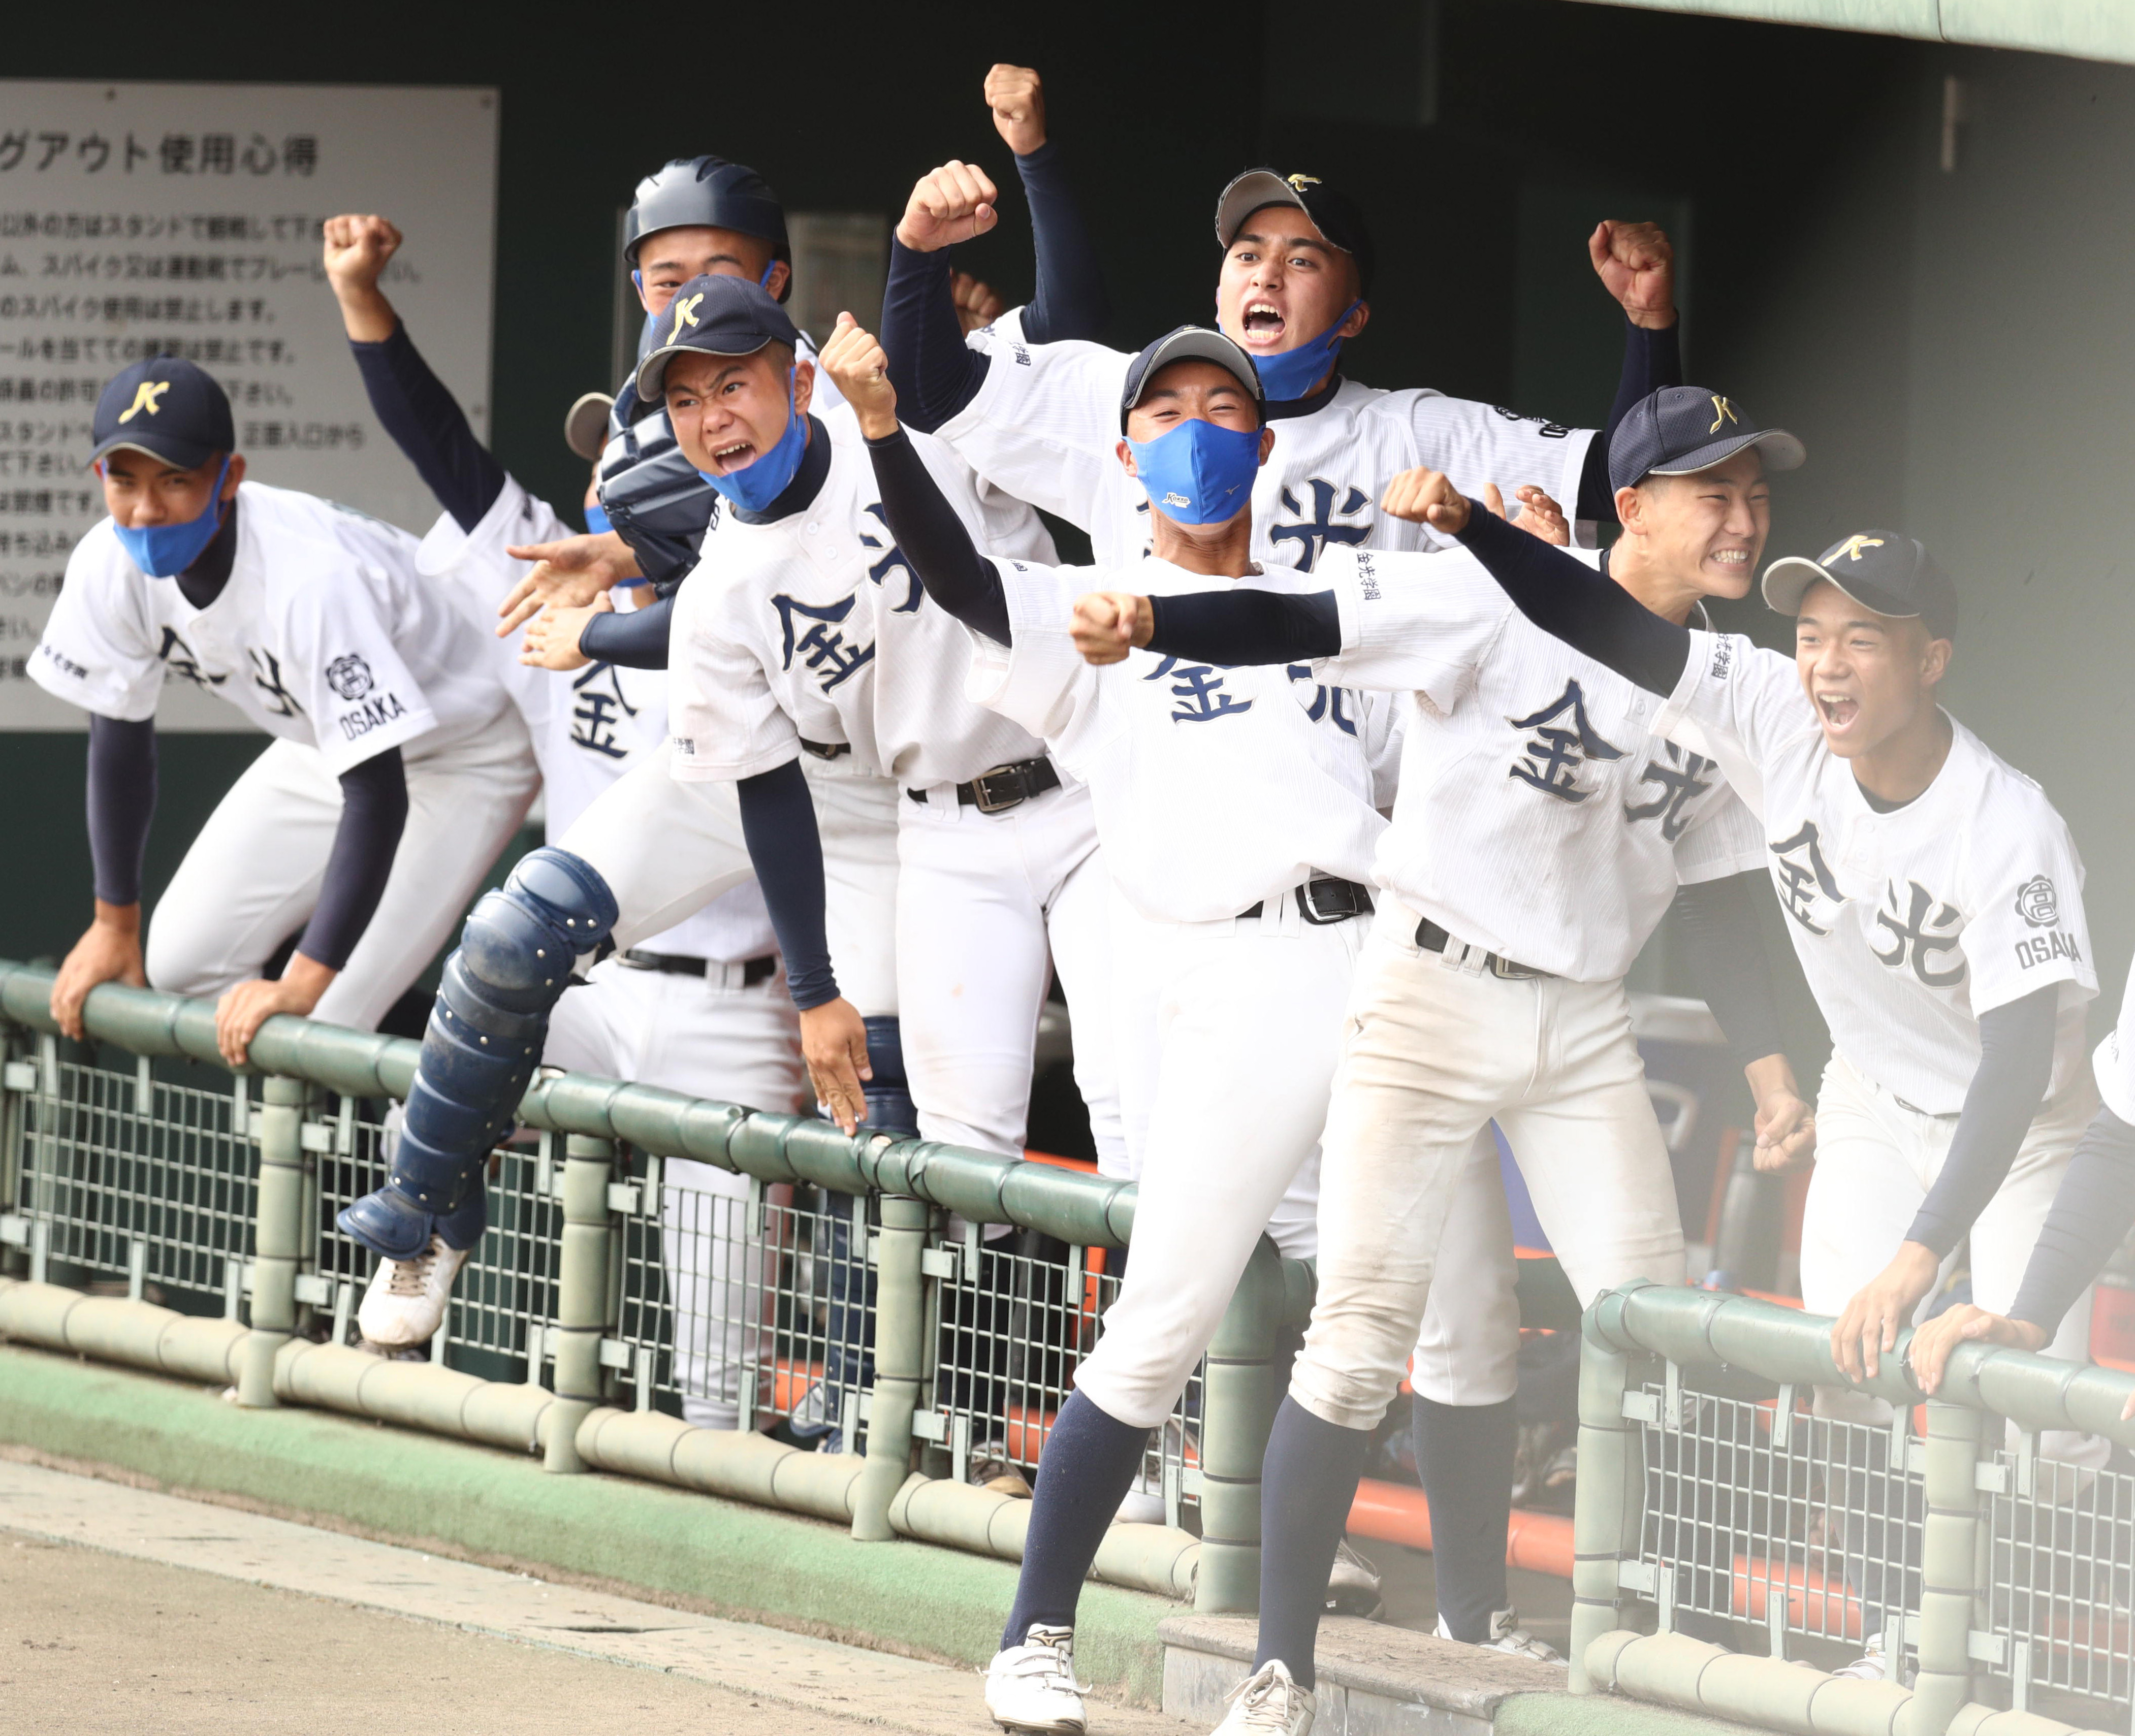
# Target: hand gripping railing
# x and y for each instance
(877, 1493)
(1652, 1357)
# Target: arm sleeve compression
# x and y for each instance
(1717, 919)
(374, 811)
(1652, 360)
(935, 371)
(1246, 625)
(429, 427)
(778, 825)
(933, 539)
(2016, 1065)
(2092, 1210)
(1070, 301)
(1588, 610)
(122, 801)
(635, 638)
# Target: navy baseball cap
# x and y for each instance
(718, 315)
(1190, 343)
(1884, 570)
(167, 408)
(1333, 213)
(1680, 429)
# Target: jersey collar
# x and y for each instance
(203, 582)
(1282, 409)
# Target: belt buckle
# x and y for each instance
(1506, 970)
(986, 802)
(1309, 907)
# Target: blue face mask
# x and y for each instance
(1295, 372)
(1199, 473)
(164, 551)
(763, 481)
(597, 523)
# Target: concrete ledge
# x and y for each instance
(501, 1509)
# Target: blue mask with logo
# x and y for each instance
(1199, 473)
(164, 551)
(755, 488)
(1295, 372)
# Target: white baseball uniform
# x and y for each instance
(1540, 821)
(1045, 425)
(1215, 791)
(1909, 925)
(325, 636)
(814, 628)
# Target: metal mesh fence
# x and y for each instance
(1758, 1513)
(2062, 1599)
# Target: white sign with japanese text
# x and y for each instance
(139, 219)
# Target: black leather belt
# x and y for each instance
(677, 964)
(1324, 902)
(826, 750)
(1004, 787)
(1432, 938)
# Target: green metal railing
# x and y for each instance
(150, 1216)
(1759, 1541)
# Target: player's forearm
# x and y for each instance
(373, 812)
(1725, 949)
(2092, 1210)
(778, 825)
(1070, 301)
(930, 535)
(365, 314)
(1233, 628)
(1653, 357)
(934, 372)
(428, 426)
(633, 638)
(1570, 601)
(2016, 1065)
(122, 803)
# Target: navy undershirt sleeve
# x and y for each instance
(1652, 360)
(373, 812)
(1569, 600)
(1070, 301)
(2016, 1066)
(122, 801)
(778, 825)
(930, 535)
(1725, 946)
(2092, 1210)
(1245, 626)
(634, 638)
(935, 371)
(428, 425)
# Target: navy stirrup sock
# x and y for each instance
(1089, 1464)
(1308, 1485)
(1464, 1453)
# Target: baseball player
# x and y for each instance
(1237, 808)
(1935, 898)
(701, 1007)
(1541, 832)
(398, 768)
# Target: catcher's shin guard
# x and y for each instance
(483, 1041)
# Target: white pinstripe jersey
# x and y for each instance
(1541, 815)
(1045, 427)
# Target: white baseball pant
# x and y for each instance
(1875, 1160)
(710, 1037)
(1433, 1048)
(252, 877)
(1245, 1037)
(988, 905)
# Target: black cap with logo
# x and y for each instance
(718, 315)
(1333, 214)
(1886, 570)
(1680, 429)
(1189, 343)
(167, 408)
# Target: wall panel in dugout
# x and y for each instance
(141, 219)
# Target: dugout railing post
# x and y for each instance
(1609, 1516)
(900, 1350)
(1951, 1584)
(1238, 1403)
(583, 1296)
(279, 1242)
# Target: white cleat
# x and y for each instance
(1268, 1702)
(1032, 1687)
(1508, 1636)
(1871, 1665)
(405, 1304)
(1353, 1587)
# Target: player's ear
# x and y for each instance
(1126, 459)
(1267, 443)
(1934, 659)
(1631, 509)
(804, 386)
(1360, 316)
(236, 477)
(638, 282)
(775, 277)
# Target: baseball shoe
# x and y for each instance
(1268, 1702)
(1508, 1636)
(405, 1304)
(1032, 1687)
(995, 1472)
(1352, 1588)
(1871, 1665)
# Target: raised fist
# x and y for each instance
(855, 361)
(1018, 99)
(1426, 497)
(1636, 265)
(357, 250)
(954, 203)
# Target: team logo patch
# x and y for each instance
(2037, 903)
(349, 676)
(1722, 411)
(1850, 550)
(1174, 498)
(148, 396)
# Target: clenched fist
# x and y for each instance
(1109, 624)
(1636, 265)
(855, 361)
(1426, 497)
(954, 203)
(1018, 99)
